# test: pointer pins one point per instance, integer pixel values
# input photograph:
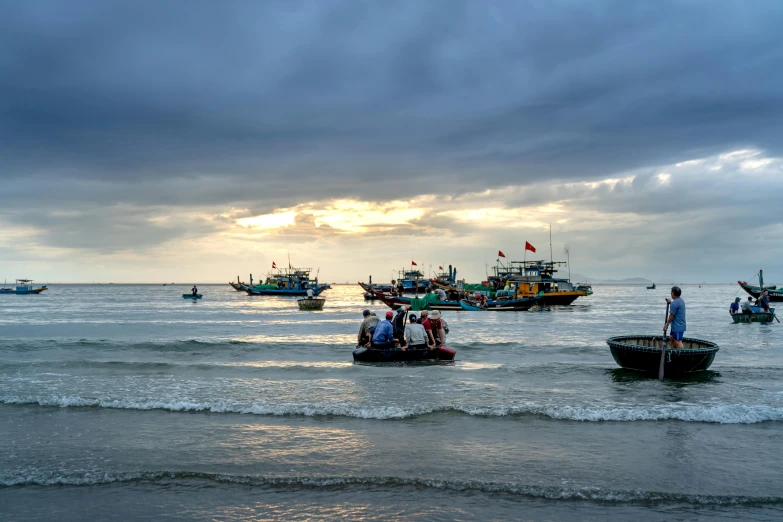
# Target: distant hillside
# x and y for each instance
(576, 278)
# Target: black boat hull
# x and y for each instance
(775, 296)
(362, 354)
(643, 354)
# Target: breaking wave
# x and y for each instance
(97, 478)
(720, 414)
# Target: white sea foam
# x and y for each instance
(722, 413)
(21, 478)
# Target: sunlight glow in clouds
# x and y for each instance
(356, 216)
(266, 221)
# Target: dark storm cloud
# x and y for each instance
(338, 95)
(113, 113)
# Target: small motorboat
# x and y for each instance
(643, 353)
(192, 296)
(362, 354)
(756, 317)
(311, 303)
(651, 287)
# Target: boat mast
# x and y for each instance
(551, 257)
(568, 257)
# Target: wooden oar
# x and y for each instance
(663, 344)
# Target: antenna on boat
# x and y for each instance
(567, 250)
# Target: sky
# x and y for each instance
(174, 141)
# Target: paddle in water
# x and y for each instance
(663, 343)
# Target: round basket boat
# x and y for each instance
(311, 303)
(643, 353)
(362, 354)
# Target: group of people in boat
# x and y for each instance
(744, 307)
(426, 332)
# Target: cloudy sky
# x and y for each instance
(196, 141)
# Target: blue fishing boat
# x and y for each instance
(407, 282)
(192, 296)
(23, 287)
(290, 282)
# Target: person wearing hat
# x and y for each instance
(734, 308)
(436, 325)
(383, 337)
(425, 322)
(415, 336)
(365, 330)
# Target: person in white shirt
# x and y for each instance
(415, 336)
(309, 293)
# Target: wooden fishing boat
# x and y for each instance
(311, 303)
(775, 294)
(289, 281)
(426, 302)
(362, 354)
(652, 287)
(192, 296)
(643, 353)
(24, 287)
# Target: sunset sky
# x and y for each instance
(197, 141)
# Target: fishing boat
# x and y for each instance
(288, 282)
(756, 317)
(532, 277)
(192, 296)
(370, 296)
(652, 287)
(412, 282)
(504, 301)
(23, 287)
(643, 353)
(425, 302)
(775, 294)
(239, 287)
(362, 354)
(311, 303)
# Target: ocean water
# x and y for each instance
(129, 402)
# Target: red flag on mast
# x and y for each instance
(440, 268)
(501, 254)
(274, 265)
(530, 247)
(413, 263)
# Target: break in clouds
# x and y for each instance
(647, 134)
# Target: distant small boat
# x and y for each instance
(651, 287)
(362, 354)
(643, 353)
(311, 303)
(192, 296)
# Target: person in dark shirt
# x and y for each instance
(194, 290)
(734, 308)
(763, 301)
(399, 324)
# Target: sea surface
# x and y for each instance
(128, 402)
